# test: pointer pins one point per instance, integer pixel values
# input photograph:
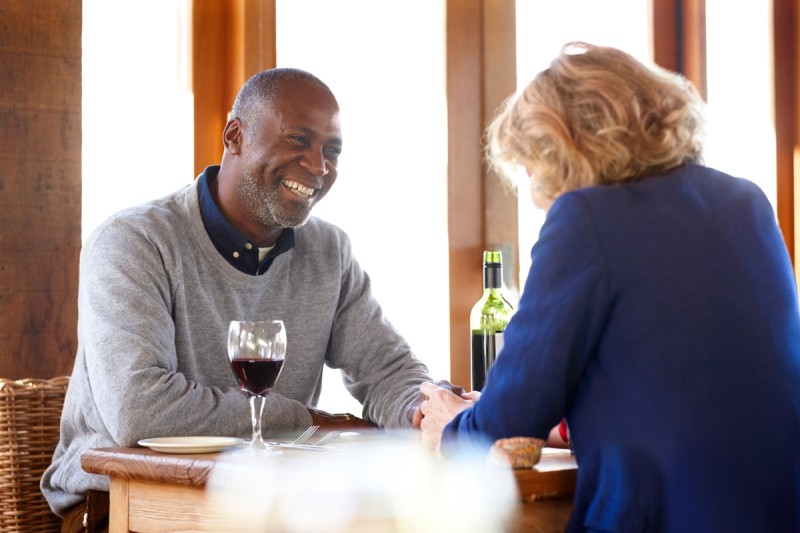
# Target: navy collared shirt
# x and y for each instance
(229, 242)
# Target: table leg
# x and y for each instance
(118, 518)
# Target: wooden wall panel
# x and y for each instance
(40, 185)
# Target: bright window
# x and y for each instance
(740, 133)
(138, 134)
(387, 71)
(542, 28)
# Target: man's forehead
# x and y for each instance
(292, 88)
(310, 120)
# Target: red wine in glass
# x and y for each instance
(257, 376)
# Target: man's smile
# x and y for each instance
(298, 188)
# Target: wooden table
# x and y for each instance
(154, 492)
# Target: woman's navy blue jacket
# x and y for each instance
(661, 319)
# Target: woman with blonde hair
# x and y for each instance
(660, 315)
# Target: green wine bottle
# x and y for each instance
(488, 319)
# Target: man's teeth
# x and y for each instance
(298, 188)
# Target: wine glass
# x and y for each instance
(256, 351)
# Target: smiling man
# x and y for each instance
(278, 164)
(159, 284)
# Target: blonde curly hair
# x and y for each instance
(595, 116)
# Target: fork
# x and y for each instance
(306, 435)
(327, 438)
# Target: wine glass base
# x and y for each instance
(254, 450)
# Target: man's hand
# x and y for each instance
(338, 421)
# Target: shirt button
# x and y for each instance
(236, 255)
(248, 246)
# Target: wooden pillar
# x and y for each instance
(231, 41)
(40, 185)
(786, 39)
(679, 38)
(500, 82)
(481, 72)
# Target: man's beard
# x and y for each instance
(263, 205)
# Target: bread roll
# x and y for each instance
(516, 452)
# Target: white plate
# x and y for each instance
(190, 444)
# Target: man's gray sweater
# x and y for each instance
(155, 300)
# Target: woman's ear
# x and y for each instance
(232, 136)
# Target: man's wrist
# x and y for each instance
(324, 419)
(318, 415)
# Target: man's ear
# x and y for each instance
(232, 136)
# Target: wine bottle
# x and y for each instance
(488, 319)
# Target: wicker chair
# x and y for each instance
(30, 414)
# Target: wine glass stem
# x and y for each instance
(256, 409)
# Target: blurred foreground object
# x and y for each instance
(364, 483)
